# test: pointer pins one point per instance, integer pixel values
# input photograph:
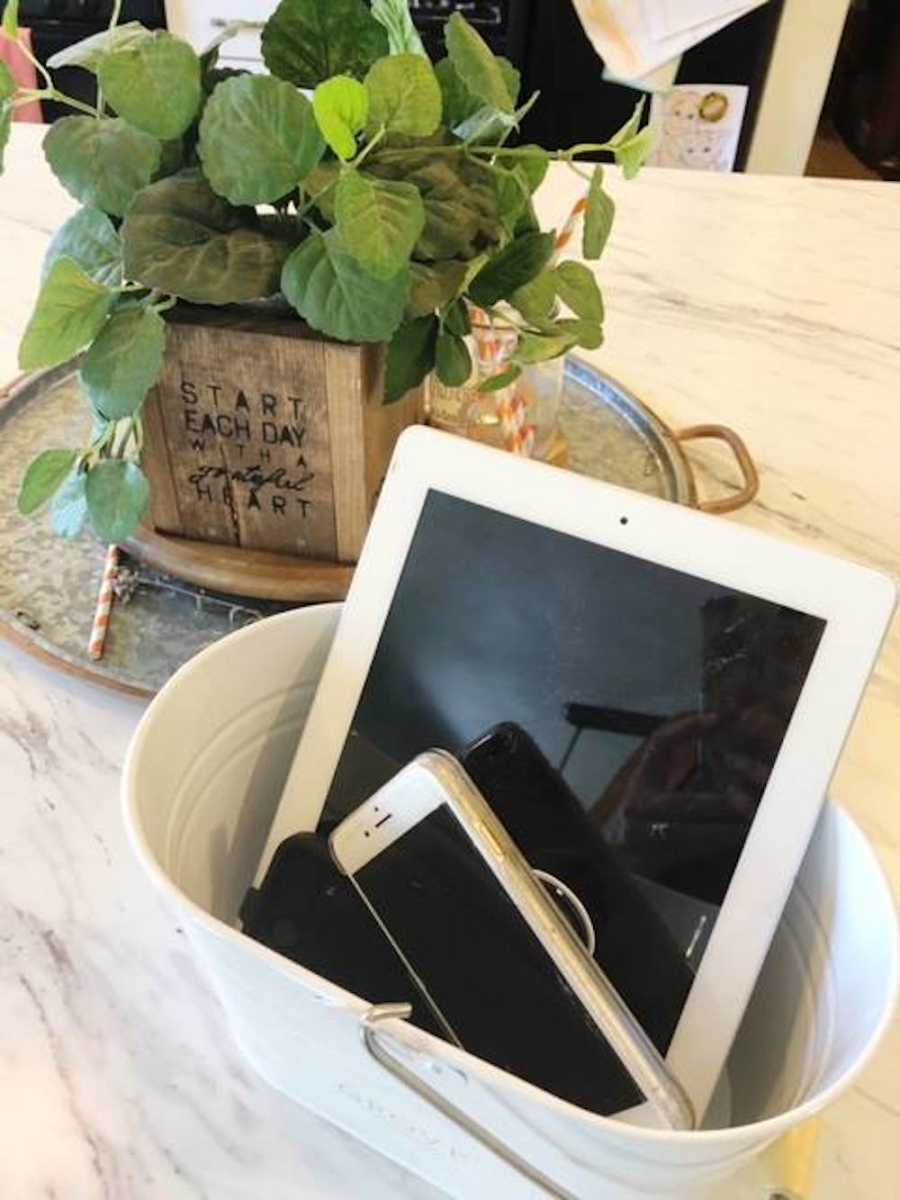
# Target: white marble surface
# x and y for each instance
(772, 305)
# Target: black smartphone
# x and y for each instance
(634, 948)
(307, 910)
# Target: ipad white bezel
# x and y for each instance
(854, 601)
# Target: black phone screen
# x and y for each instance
(307, 910)
(485, 970)
(660, 698)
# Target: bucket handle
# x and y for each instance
(369, 1027)
(748, 468)
(369, 1022)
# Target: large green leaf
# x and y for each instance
(258, 139)
(403, 37)
(124, 361)
(577, 287)
(535, 348)
(404, 96)
(457, 318)
(69, 507)
(461, 106)
(411, 356)
(515, 265)
(182, 238)
(598, 218)
(154, 84)
(44, 477)
(453, 362)
(342, 108)
(433, 285)
(118, 495)
(588, 334)
(476, 65)
(70, 310)
(536, 300)
(533, 166)
(632, 155)
(91, 51)
(458, 102)
(91, 239)
(513, 195)
(460, 201)
(631, 126)
(8, 89)
(102, 163)
(380, 221)
(308, 41)
(496, 383)
(332, 293)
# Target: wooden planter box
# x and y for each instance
(262, 435)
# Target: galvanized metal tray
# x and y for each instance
(48, 587)
(614, 436)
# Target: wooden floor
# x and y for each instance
(830, 158)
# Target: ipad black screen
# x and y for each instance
(661, 700)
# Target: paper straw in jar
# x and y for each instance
(570, 227)
(104, 604)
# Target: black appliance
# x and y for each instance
(56, 24)
(546, 41)
(548, 44)
(489, 17)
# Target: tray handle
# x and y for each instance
(748, 468)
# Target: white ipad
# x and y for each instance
(689, 680)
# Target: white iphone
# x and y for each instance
(504, 974)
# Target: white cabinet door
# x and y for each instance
(199, 21)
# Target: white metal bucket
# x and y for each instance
(202, 779)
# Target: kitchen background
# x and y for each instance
(813, 85)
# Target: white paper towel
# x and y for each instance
(634, 37)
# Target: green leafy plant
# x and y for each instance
(373, 190)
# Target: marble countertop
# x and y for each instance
(768, 304)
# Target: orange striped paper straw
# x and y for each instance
(567, 232)
(104, 604)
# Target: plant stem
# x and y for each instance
(116, 14)
(367, 150)
(39, 66)
(137, 432)
(62, 98)
(313, 200)
(124, 429)
(513, 152)
(581, 174)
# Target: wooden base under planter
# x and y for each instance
(237, 572)
(264, 436)
(258, 573)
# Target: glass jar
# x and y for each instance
(521, 417)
